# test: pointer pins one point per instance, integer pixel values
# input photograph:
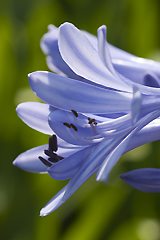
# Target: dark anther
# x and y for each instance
(74, 113)
(74, 127)
(45, 162)
(67, 124)
(50, 152)
(53, 143)
(55, 159)
(70, 126)
(92, 121)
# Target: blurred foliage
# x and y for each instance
(97, 211)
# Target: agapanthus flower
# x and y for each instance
(100, 103)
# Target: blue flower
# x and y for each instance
(100, 103)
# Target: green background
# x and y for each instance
(97, 211)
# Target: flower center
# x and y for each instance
(50, 152)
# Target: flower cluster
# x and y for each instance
(100, 102)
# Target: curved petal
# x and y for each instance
(67, 168)
(145, 179)
(29, 161)
(136, 71)
(54, 203)
(49, 45)
(89, 167)
(136, 104)
(129, 65)
(69, 189)
(74, 130)
(149, 133)
(103, 49)
(66, 93)
(84, 60)
(121, 147)
(35, 115)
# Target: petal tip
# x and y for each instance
(66, 24)
(102, 28)
(43, 213)
(15, 163)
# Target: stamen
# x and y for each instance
(50, 154)
(52, 157)
(92, 121)
(74, 127)
(45, 162)
(55, 159)
(74, 113)
(67, 124)
(70, 126)
(53, 143)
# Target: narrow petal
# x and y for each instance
(103, 49)
(149, 133)
(89, 167)
(114, 156)
(35, 115)
(112, 159)
(67, 94)
(54, 203)
(145, 179)
(67, 168)
(29, 161)
(136, 104)
(84, 60)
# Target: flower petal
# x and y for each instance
(66, 93)
(114, 156)
(35, 115)
(117, 53)
(136, 104)
(103, 49)
(152, 80)
(67, 191)
(145, 179)
(49, 45)
(137, 71)
(54, 203)
(80, 134)
(29, 161)
(150, 133)
(67, 168)
(62, 196)
(84, 60)
(89, 167)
